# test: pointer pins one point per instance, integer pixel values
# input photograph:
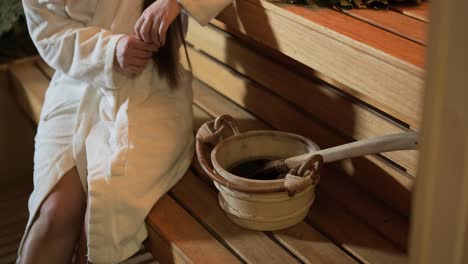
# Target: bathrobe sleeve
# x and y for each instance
(59, 32)
(204, 10)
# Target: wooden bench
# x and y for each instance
(187, 230)
(330, 76)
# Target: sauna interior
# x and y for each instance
(332, 75)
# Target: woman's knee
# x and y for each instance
(56, 218)
(63, 210)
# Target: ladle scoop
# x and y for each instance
(394, 142)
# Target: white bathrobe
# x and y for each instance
(129, 137)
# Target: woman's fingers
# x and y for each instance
(155, 20)
(145, 31)
(162, 32)
(154, 32)
(141, 54)
(133, 54)
(145, 46)
(137, 27)
(137, 62)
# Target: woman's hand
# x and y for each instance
(132, 54)
(155, 20)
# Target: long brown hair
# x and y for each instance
(167, 58)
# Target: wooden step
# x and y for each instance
(375, 65)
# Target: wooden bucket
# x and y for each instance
(255, 204)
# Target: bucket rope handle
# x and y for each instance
(304, 175)
(208, 135)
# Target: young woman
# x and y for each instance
(115, 132)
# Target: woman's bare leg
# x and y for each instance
(55, 231)
(81, 257)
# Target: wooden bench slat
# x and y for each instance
(311, 95)
(30, 91)
(352, 235)
(420, 12)
(184, 236)
(45, 68)
(400, 24)
(386, 221)
(377, 77)
(310, 246)
(357, 30)
(284, 117)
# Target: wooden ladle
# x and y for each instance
(394, 142)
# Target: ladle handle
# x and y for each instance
(402, 141)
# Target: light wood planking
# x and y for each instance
(284, 117)
(352, 234)
(355, 30)
(311, 37)
(310, 246)
(313, 96)
(163, 250)
(185, 235)
(400, 24)
(387, 222)
(420, 12)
